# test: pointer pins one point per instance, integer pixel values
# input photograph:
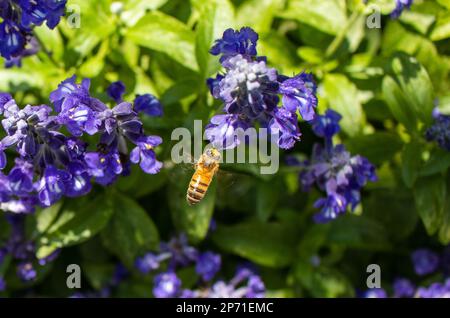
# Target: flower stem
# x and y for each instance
(46, 51)
(336, 43)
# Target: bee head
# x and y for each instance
(213, 154)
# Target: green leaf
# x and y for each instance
(266, 200)
(342, 96)
(419, 21)
(413, 81)
(441, 29)
(394, 209)
(215, 17)
(259, 13)
(131, 231)
(377, 147)
(439, 161)
(192, 220)
(163, 33)
(77, 222)
(52, 40)
(45, 217)
(326, 16)
(136, 9)
(267, 244)
(358, 232)
(429, 195)
(323, 281)
(398, 104)
(411, 162)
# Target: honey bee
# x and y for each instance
(205, 169)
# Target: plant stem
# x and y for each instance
(336, 43)
(46, 51)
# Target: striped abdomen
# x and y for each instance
(198, 186)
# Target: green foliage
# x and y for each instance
(384, 83)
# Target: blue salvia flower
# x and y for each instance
(245, 284)
(435, 290)
(208, 264)
(18, 19)
(179, 254)
(374, 293)
(440, 130)
(425, 261)
(250, 92)
(400, 5)
(116, 91)
(166, 285)
(50, 164)
(334, 170)
(403, 288)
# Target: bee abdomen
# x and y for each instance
(197, 189)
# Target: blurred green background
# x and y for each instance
(382, 80)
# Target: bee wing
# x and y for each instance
(226, 179)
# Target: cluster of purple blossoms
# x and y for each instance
(334, 170)
(250, 91)
(440, 131)
(425, 262)
(22, 251)
(18, 18)
(50, 164)
(178, 254)
(400, 5)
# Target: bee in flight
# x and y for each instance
(205, 169)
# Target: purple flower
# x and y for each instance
(249, 88)
(435, 290)
(424, 261)
(208, 264)
(38, 11)
(26, 272)
(299, 94)
(255, 287)
(18, 19)
(400, 5)
(147, 263)
(116, 91)
(148, 104)
(330, 207)
(285, 125)
(403, 288)
(224, 131)
(166, 285)
(52, 185)
(50, 258)
(235, 42)
(12, 38)
(440, 130)
(250, 92)
(326, 126)
(335, 171)
(4, 98)
(104, 167)
(375, 293)
(79, 183)
(144, 154)
(181, 253)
